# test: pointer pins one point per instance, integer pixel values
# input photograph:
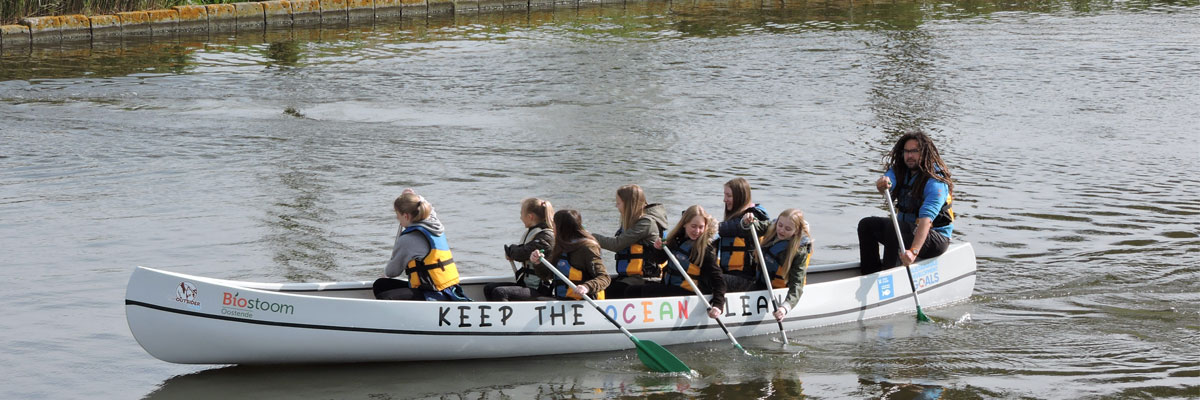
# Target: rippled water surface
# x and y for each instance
(1071, 129)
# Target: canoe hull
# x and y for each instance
(196, 320)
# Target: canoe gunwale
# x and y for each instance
(706, 325)
(302, 287)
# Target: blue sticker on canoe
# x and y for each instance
(885, 287)
(925, 274)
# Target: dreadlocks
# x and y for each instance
(927, 167)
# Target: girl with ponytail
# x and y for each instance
(420, 254)
(537, 215)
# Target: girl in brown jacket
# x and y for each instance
(577, 255)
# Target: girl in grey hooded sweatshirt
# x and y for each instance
(414, 214)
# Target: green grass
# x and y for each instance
(11, 11)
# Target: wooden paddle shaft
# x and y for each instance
(696, 289)
(762, 266)
(574, 288)
(900, 244)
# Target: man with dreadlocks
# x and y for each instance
(923, 194)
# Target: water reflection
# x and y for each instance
(654, 19)
(909, 89)
(802, 369)
(288, 47)
(298, 221)
(602, 375)
(284, 53)
(100, 59)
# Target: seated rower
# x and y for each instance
(539, 236)
(577, 255)
(919, 182)
(737, 259)
(691, 241)
(421, 253)
(641, 226)
(786, 249)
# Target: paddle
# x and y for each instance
(762, 265)
(514, 267)
(652, 354)
(696, 289)
(900, 243)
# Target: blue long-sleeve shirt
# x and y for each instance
(935, 193)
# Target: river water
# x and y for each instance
(1070, 127)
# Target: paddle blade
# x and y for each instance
(921, 317)
(658, 358)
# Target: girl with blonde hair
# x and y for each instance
(692, 243)
(786, 250)
(422, 254)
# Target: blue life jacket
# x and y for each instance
(576, 275)
(776, 254)
(682, 253)
(909, 195)
(436, 271)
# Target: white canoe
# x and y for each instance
(197, 320)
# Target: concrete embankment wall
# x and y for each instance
(250, 17)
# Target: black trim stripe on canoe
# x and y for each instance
(476, 333)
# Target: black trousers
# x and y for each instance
(616, 288)
(874, 231)
(395, 289)
(511, 291)
(654, 289)
(742, 283)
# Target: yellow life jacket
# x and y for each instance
(576, 276)
(735, 254)
(637, 260)
(435, 271)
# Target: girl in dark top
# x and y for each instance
(539, 236)
(736, 247)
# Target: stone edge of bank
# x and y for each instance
(244, 17)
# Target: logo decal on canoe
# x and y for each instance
(237, 306)
(926, 274)
(187, 294)
(885, 287)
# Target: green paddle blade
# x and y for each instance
(659, 359)
(921, 316)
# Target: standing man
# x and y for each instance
(923, 193)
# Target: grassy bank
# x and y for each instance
(11, 11)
